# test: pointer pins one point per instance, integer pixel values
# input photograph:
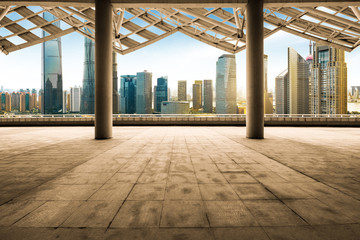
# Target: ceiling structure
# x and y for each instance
(220, 25)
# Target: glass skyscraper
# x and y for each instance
(143, 92)
(226, 85)
(128, 94)
(182, 90)
(115, 85)
(160, 93)
(281, 93)
(51, 84)
(298, 74)
(208, 96)
(197, 95)
(88, 89)
(328, 83)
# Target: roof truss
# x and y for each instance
(135, 28)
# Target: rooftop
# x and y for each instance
(179, 183)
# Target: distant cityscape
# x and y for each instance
(315, 85)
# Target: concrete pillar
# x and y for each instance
(255, 69)
(103, 69)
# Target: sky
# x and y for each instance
(178, 56)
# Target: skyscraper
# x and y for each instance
(51, 84)
(328, 82)
(75, 99)
(281, 93)
(88, 89)
(208, 96)
(182, 93)
(226, 84)
(197, 95)
(298, 74)
(268, 100)
(160, 93)
(143, 92)
(115, 85)
(128, 94)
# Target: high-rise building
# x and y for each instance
(197, 95)
(51, 83)
(75, 99)
(208, 96)
(128, 94)
(268, 100)
(144, 92)
(116, 108)
(355, 90)
(15, 101)
(88, 87)
(226, 84)
(5, 102)
(328, 82)
(298, 74)
(281, 93)
(182, 93)
(65, 102)
(160, 93)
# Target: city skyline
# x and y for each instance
(196, 58)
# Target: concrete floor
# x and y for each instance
(179, 183)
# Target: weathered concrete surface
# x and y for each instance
(179, 183)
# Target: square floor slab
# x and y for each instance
(183, 214)
(135, 214)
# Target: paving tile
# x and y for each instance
(287, 191)
(221, 192)
(93, 214)
(229, 167)
(273, 213)
(210, 177)
(61, 192)
(132, 234)
(228, 214)
(183, 214)
(11, 233)
(13, 211)
(206, 167)
(153, 178)
(181, 167)
(239, 177)
(182, 191)
(76, 233)
(252, 191)
(50, 214)
(240, 233)
(82, 178)
(138, 214)
(113, 192)
(151, 191)
(185, 234)
(335, 232)
(316, 212)
(182, 177)
(266, 176)
(124, 177)
(292, 233)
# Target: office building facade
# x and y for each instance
(328, 83)
(144, 92)
(175, 107)
(298, 75)
(208, 96)
(197, 95)
(281, 93)
(51, 84)
(87, 104)
(128, 94)
(182, 90)
(226, 85)
(161, 93)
